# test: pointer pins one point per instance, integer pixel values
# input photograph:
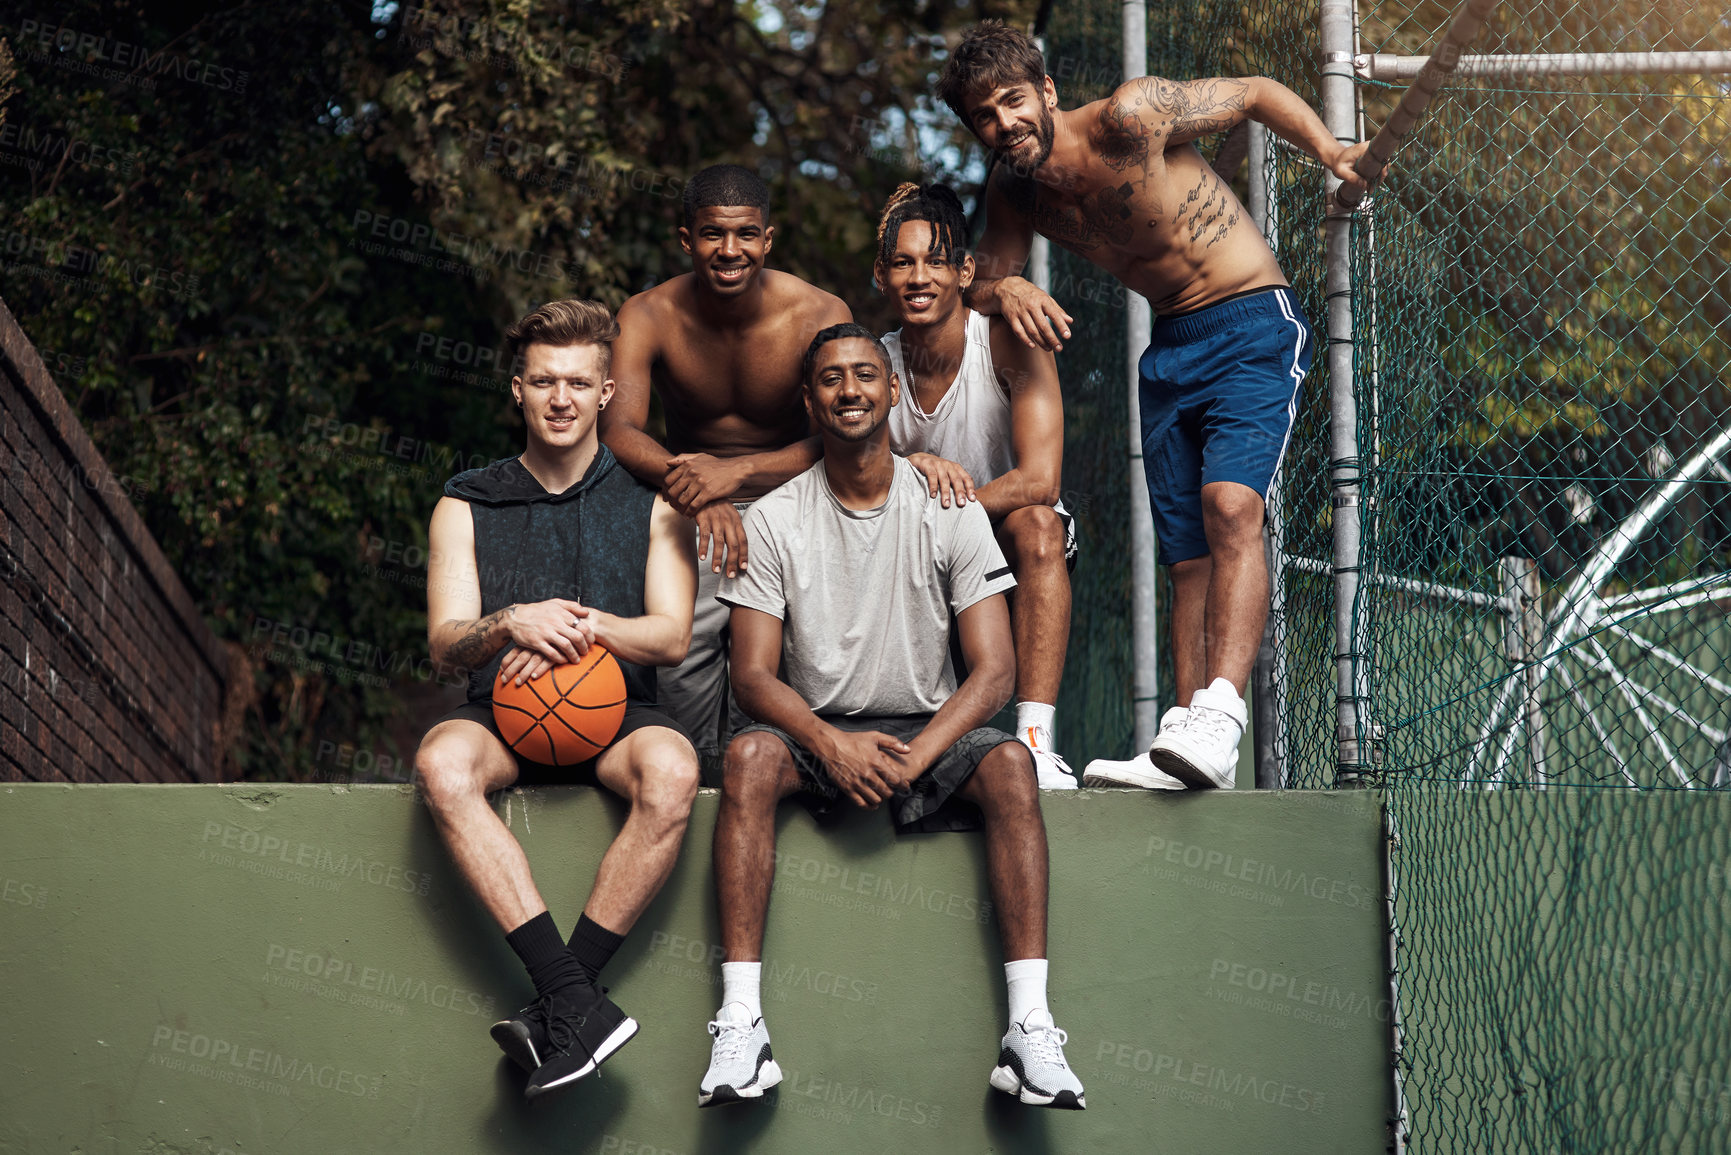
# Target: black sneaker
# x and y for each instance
(583, 1030)
(523, 1036)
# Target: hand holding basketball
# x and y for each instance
(547, 634)
(567, 714)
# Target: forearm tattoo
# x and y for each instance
(470, 650)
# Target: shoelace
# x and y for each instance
(561, 1032)
(1046, 1044)
(730, 1040)
(1207, 722)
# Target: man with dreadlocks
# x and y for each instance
(982, 417)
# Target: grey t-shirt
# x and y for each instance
(865, 596)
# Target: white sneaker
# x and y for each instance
(1031, 1065)
(1139, 771)
(1202, 750)
(1051, 770)
(740, 1066)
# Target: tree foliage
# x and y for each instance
(268, 250)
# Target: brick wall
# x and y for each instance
(107, 672)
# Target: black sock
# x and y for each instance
(544, 954)
(592, 945)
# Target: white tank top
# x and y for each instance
(971, 424)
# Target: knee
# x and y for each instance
(753, 768)
(444, 776)
(1232, 510)
(668, 783)
(1036, 535)
(1007, 780)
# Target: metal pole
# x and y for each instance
(1268, 688)
(1040, 252)
(1523, 640)
(1415, 99)
(1392, 66)
(1350, 647)
(1145, 705)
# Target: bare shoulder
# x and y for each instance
(814, 306)
(652, 306)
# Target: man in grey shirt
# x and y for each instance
(841, 638)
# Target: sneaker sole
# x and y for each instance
(1179, 767)
(611, 1044)
(768, 1076)
(513, 1039)
(1006, 1080)
(1128, 780)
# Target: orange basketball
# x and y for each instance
(567, 715)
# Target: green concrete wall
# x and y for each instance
(264, 970)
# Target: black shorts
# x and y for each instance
(931, 806)
(638, 716)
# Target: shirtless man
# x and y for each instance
(1120, 182)
(722, 347)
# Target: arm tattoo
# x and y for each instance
(471, 650)
(1198, 107)
(1123, 136)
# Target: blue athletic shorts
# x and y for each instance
(1219, 390)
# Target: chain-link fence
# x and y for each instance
(1542, 329)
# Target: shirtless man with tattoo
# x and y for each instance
(1120, 182)
(539, 557)
(722, 347)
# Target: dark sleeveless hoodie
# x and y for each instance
(588, 544)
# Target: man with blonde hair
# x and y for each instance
(539, 557)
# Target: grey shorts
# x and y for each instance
(930, 806)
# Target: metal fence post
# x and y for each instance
(1352, 652)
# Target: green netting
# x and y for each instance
(1542, 329)
(1540, 314)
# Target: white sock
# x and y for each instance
(1027, 982)
(1039, 717)
(1217, 689)
(742, 982)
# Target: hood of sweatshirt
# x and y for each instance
(508, 482)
